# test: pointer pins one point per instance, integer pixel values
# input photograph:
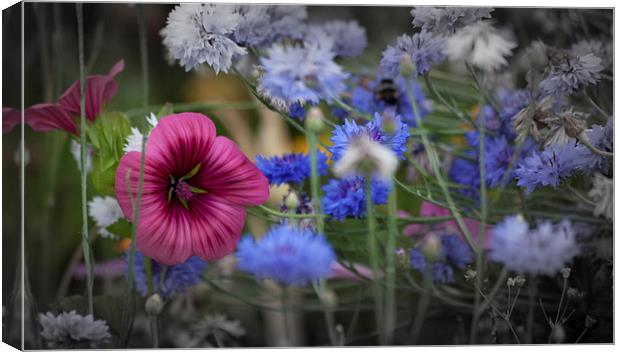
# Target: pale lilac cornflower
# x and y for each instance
(543, 250)
(447, 19)
(348, 38)
(423, 48)
(262, 25)
(105, 211)
(300, 74)
(197, 34)
(364, 155)
(600, 49)
(480, 45)
(71, 330)
(572, 74)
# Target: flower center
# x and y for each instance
(183, 190)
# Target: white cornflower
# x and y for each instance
(75, 152)
(363, 153)
(196, 34)
(71, 330)
(105, 211)
(602, 193)
(480, 45)
(134, 140)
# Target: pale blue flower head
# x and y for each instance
(300, 74)
(423, 48)
(543, 250)
(547, 168)
(573, 74)
(348, 38)
(286, 255)
(447, 19)
(197, 34)
(263, 25)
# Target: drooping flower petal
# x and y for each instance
(99, 89)
(10, 118)
(49, 117)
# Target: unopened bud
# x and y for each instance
(565, 273)
(573, 126)
(154, 305)
(388, 123)
(431, 247)
(406, 66)
(470, 274)
(402, 258)
(558, 334)
(573, 293)
(519, 281)
(590, 321)
(291, 201)
(314, 120)
(329, 298)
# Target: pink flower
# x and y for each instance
(338, 271)
(429, 210)
(10, 118)
(196, 187)
(63, 115)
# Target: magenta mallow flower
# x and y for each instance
(10, 118)
(63, 115)
(196, 187)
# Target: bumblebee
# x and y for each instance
(387, 91)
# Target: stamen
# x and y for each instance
(183, 190)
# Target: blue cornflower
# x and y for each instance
(547, 168)
(300, 74)
(347, 38)
(422, 48)
(447, 20)
(286, 255)
(196, 34)
(511, 102)
(346, 196)
(178, 278)
(584, 160)
(290, 168)
(498, 155)
(467, 173)
(397, 141)
(297, 111)
(456, 251)
(545, 249)
(442, 273)
(572, 75)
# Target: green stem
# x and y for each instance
(373, 250)
(532, 292)
(315, 182)
(452, 109)
(583, 138)
(285, 310)
(423, 304)
(148, 268)
(390, 306)
(83, 171)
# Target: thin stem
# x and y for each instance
(287, 327)
(451, 108)
(390, 306)
(154, 331)
(500, 281)
(314, 181)
(434, 160)
(373, 250)
(532, 292)
(595, 105)
(583, 138)
(149, 275)
(422, 304)
(83, 171)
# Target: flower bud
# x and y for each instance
(291, 201)
(519, 281)
(573, 293)
(388, 123)
(565, 273)
(402, 258)
(314, 120)
(470, 274)
(510, 282)
(154, 305)
(431, 247)
(590, 321)
(329, 298)
(573, 126)
(406, 66)
(558, 334)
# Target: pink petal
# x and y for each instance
(179, 142)
(228, 173)
(337, 271)
(48, 117)
(99, 89)
(10, 118)
(473, 226)
(164, 231)
(216, 226)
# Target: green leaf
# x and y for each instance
(165, 110)
(193, 172)
(121, 228)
